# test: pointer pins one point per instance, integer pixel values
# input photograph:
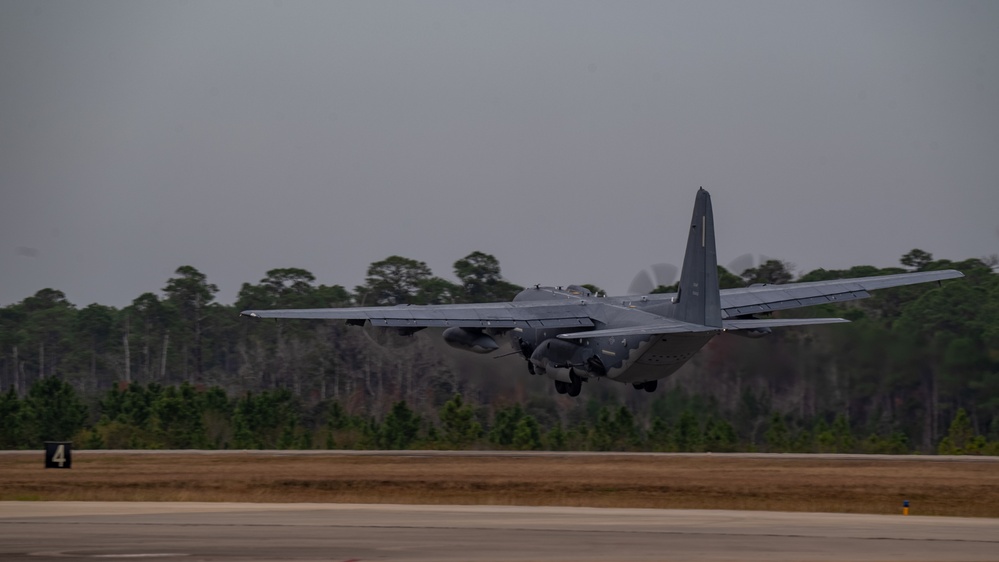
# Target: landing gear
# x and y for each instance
(573, 387)
(648, 386)
(530, 368)
(576, 385)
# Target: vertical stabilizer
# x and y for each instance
(698, 301)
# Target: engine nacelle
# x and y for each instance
(470, 339)
(554, 358)
(751, 332)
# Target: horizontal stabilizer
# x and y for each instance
(751, 323)
(667, 326)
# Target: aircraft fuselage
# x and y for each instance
(627, 359)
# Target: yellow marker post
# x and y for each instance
(905, 507)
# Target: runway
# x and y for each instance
(38, 531)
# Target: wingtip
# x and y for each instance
(249, 313)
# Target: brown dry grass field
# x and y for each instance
(849, 485)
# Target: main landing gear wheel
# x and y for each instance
(571, 388)
(648, 386)
(576, 385)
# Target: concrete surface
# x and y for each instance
(227, 531)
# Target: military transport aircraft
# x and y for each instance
(572, 336)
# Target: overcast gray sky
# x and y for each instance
(566, 138)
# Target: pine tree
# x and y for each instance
(527, 434)
(777, 435)
(400, 428)
(458, 421)
(54, 411)
(505, 425)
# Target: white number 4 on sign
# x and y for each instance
(60, 456)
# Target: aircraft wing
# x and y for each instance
(486, 315)
(767, 298)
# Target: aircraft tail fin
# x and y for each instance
(698, 300)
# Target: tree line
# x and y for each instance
(915, 361)
(152, 416)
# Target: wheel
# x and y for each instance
(651, 386)
(576, 385)
(530, 368)
(638, 385)
(561, 387)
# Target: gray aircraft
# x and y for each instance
(572, 336)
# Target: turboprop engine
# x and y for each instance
(555, 358)
(470, 339)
